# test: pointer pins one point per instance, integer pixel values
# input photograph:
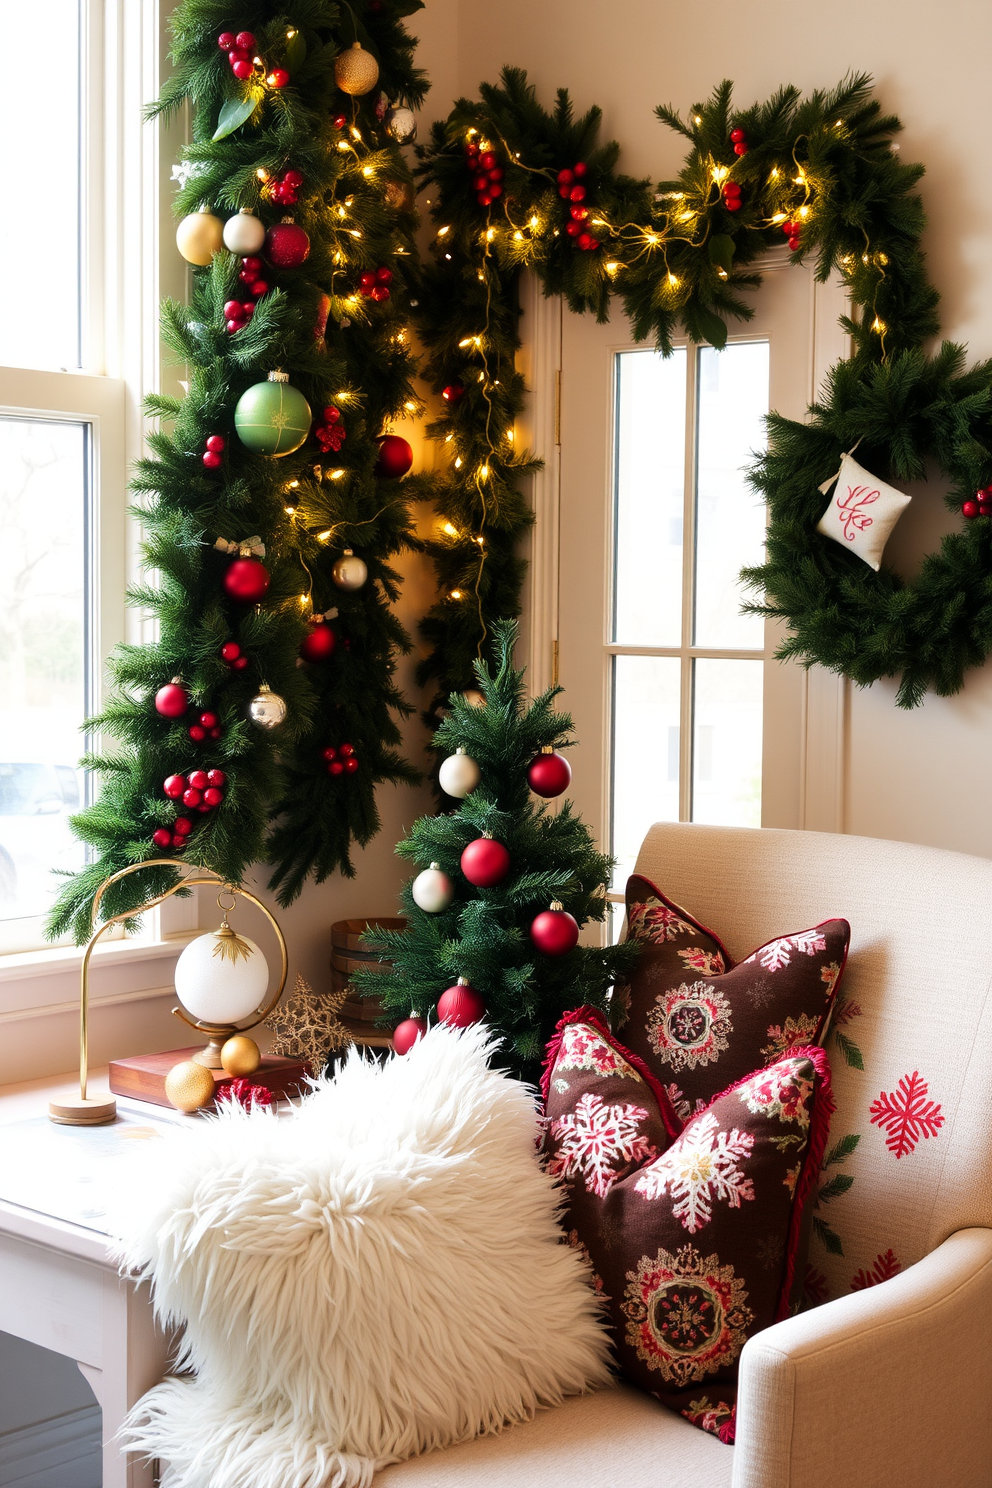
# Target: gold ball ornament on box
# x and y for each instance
(267, 708)
(350, 572)
(459, 775)
(199, 236)
(240, 1055)
(244, 233)
(273, 418)
(189, 1086)
(356, 71)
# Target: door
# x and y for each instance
(681, 711)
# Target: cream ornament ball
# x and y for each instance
(244, 234)
(199, 236)
(221, 977)
(432, 890)
(459, 775)
(401, 123)
(356, 71)
(350, 572)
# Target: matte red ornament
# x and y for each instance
(230, 651)
(577, 194)
(453, 393)
(485, 863)
(162, 837)
(247, 580)
(172, 700)
(330, 753)
(197, 779)
(580, 167)
(548, 775)
(226, 40)
(319, 644)
(461, 1005)
(216, 777)
(554, 932)
(174, 786)
(215, 443)
(197, 734)
(566, 177)
(286, 245)
(178, 843)
(795, 244)
(395, 457)
(240, 663)
(406, 1034)
(336, 767)
(212, 460)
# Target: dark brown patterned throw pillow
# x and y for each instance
(694, 1242)
(700, 1022)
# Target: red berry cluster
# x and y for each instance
(572, 189)
(213, 453)
(243, 1093)
(251, 277)
(792, 231)
(731, 196)
(331, 434)
(208, 727)
(239, 49)
(284, 192)
(981, 506)
(339, 121)
(374, 284)
(201, 791)
(340, 761)
(238, 313)
(231, 653)
(486, 172)
(739, 141)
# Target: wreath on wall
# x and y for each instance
(512, 185)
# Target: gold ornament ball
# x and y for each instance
(268, 709)
(400, 196)
(199, 236)
(240, 1055)
(356, 71)
(189, 1086)
(349, 572)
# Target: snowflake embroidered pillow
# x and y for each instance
(698, 1021)
(694, 1244)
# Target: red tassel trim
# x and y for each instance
(673, 1123)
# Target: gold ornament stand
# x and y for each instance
(83, 1110)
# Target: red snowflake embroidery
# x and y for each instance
(815, 1286)
(885, 1266)
(906, 1115)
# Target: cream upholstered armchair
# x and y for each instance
(888, 1383)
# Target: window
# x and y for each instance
(687, 666)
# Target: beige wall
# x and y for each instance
(922, 776)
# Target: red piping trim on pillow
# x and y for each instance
(671, 904)
(673, 1124)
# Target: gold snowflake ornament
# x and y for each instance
(307, 1026)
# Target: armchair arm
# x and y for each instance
(890, 1387)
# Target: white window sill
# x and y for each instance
(23, 965)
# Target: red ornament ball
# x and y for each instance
(197, 779)
(461, 1006)
(215, 443)
(794, 244)
(246, 39)
(182, 826)
(230, 651)
(240, 663)
(174, 786)
(554, 932)
(226, 40)
(242, 69)
(162, 837)
(740, 149)
(351, 765)
(247, 580)
(216, 777)
(172, 700)
(336, 767)
(286, 245)
(395, 457)
(191, 798)
(212, 796)
(212, 460)
(737, 136)
(197, 734)
(548, 775)
(485, 863)
(278, 77)
(319, 644)
(339, 121)
(406, 1034)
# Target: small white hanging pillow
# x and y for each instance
(376, 1275)
(862, 512)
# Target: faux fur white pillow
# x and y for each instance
(378, 1274)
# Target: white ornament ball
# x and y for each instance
(402, 125)
(221, 977)
(432, 890)
(459, 775)
(267, 709)
(349, 572)
(244, 234)
(199, 236)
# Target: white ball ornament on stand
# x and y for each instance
(350, 572)
(221, 977)
(432, 890)
(199, 236)
(244, 233)
(459, 775)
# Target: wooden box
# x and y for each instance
(142, 1076)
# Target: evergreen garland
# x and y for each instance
(821, 172)
(306, 507)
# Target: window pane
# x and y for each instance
(40, 323)
(730, 517)
(645, 711)
(726, 776)
(650, 462)
(43, 546)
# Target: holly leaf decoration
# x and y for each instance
(721, 249)
(295, 54)
(233, 115)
